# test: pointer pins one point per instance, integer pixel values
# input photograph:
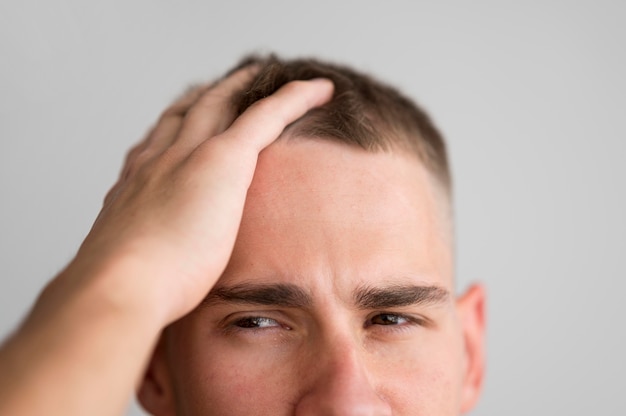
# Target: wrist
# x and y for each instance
(123, 286)
(89, 321)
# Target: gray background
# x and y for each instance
(529, 95)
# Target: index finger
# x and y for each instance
(266, 119)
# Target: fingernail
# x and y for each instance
(322, 81)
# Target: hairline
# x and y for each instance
(442, 190)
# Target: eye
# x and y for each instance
(254, 322)
(388, 319)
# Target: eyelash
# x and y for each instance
(257, 323)
(387, 318)
(406, 321)
(243, 323)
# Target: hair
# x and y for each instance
(363, 111)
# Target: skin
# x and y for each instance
(328, 220)
(161, 241)
(164, 238)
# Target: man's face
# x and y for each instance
(338, 298)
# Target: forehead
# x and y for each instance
(320, 208)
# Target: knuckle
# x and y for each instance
(166, 159)
(265, 105)
(199, 110)
(142, 173)
(136, 165)
(172, 111)
(142, 158)
(175, 110)
(110, 196)
(134, 151)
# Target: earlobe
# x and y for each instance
(155, 392)
(471, 309)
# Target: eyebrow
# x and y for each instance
(282, 295)
(292, 296)
(367, 297)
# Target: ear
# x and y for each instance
(471, 310)
(156, 393)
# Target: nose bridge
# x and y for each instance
(344, 358)
(341, 383)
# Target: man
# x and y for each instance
(312, 274)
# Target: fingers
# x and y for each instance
(159, 138)
(213, 112)
(234, 152)
(266, 119)
(171, 120)
(164, 133)
(207, 111)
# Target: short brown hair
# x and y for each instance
(363, 112)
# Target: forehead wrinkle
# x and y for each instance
(359, 178)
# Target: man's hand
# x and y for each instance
(177, 206)
(161, 241)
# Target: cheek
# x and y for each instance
(214, 375)
(427, 376)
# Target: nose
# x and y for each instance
(340, 385)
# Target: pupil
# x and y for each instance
(386, 319)
(250, 323)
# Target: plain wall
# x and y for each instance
(530, 96)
